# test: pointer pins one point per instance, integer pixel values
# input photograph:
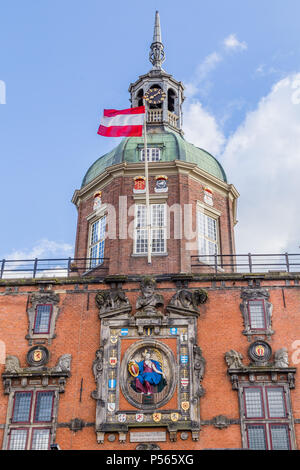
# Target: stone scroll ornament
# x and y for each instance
(112, 302)
(187, 301)
(148, 303)
(199, 369)
(98, 371)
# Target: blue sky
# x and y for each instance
(63, 62)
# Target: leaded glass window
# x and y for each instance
(18, 439)
(276, 402)
(40, 439)
(256, 437)
(257, 318)
(32, 413)
(262, 406)
(43, 406)
(22, 407)
(42, 319)
(280, 439)
(253, 403)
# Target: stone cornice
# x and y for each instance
(173, 167)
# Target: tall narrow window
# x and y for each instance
(257, 317)
(153, 154)
(97, 242)
(42, 319)
(158, 228)
(207, 237)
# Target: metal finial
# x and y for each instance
(157, 54)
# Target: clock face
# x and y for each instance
(155, 96)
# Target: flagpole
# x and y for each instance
(148, 218)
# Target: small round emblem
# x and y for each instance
(260, 351)
(38, 356)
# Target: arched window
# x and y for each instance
(171, 100)
(139, 97)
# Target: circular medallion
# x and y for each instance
(37, 356)
(148, 375)
(260, 351)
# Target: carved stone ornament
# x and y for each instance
(147, 304)
(186, 301)
(261, 367)
(112, 302)
(249, 294)
(281, 358)
(234, 360)
(98, 371)
(37, 356)
(260, 352)
(148, 374)
(221, 422)
(13, 371)
(42, 298)
(146, 446)
(199, 369)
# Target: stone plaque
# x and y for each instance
(148, 436)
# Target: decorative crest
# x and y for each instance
(157, 54)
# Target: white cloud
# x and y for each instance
(202, 72)
(200, 82)
(43, 249)
(232, 43)
(201, 128)
(262, 159)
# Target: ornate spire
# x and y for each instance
(157, 54)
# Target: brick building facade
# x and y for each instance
(184, 353)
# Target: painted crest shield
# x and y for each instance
(185, 405)
(156, 417)
(139, 417)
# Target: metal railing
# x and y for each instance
(51, 268)
(248, 263)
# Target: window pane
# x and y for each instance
(153, 154)
(256, 437)
(22, 406)
(276, 404)
(158, 241)
(141, 241)
(42, 319)
(95, 232)
(280, 437)
(40, 439)
(43, 407)
(18, 438)
(207, 237)
(253, 403)
(256, 314)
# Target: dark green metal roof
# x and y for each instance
(173, 147)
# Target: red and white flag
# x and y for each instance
(125, 122)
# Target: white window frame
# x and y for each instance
(162, 228)
(96, 248)
(153, 154)
(207, 256)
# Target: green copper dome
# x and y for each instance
(173, 147)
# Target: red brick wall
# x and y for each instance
(182, 190)
(219, 329)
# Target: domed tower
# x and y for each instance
(192, 206)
